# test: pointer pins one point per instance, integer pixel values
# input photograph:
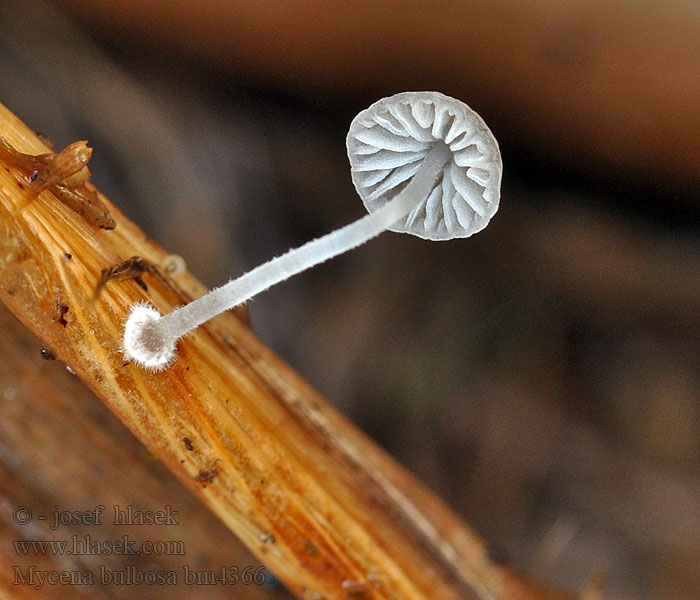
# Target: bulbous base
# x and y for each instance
(141, 344)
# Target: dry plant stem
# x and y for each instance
(103, 465)
(310, 495)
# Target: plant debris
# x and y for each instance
(47, 354)
(131, 268)
(65, 174)
(207, 475)
(61, 310)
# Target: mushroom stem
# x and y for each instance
(183, 320)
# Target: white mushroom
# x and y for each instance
(423, 163)
(388, 144)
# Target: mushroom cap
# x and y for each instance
(387, 143)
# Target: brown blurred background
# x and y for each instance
(542, 377)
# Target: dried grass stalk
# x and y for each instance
(318, 502)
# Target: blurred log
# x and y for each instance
(612, 270)
(12, 592)
(307, 493)
(589, 477)
(597, 87)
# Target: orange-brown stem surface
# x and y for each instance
(317, 501)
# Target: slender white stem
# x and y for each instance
(167, 329)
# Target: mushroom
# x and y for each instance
(422, 162)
